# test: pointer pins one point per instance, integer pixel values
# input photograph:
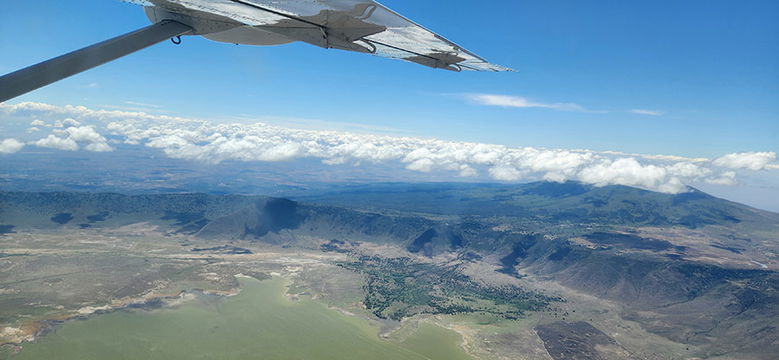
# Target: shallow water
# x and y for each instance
(259, 323)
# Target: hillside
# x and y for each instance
(690, 267)
(550, 202)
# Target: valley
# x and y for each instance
(529, 279)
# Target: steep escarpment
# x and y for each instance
(435, 241)
(255, 221)
(688, 302)
(280, 220)
(48, 210)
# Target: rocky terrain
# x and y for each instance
(694, 272)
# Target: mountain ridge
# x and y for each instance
(705, 264)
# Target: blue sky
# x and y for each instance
(685, 78)
(710, 68)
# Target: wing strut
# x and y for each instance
(49, 71)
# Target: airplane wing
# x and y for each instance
(356, 25)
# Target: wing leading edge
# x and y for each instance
(356, 25)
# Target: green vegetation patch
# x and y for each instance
(397, 288)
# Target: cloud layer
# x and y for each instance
(513, 101)
(646, 112)
(519, 102)
(749, 160)
(73, 128)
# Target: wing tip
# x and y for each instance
(488, 67)
(506, 69)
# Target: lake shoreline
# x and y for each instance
(261, 318)
(32, 331)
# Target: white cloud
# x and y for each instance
(55, 142)
(423, 165)
(98, 147)
(84, 134)
(505, 173)
(214, 143)
(10, 146)
(37, 123)
(726, 178)
(70, 122)
(657, 156)
(468, 171)
(80, 112)
(66, 123)
(647, 112)
(519, 102)
(687, 170)
(524, 103)
(628, 171)
(69, 135)
(748, 160)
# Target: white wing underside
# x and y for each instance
(355, 25)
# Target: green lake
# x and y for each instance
(258, 323)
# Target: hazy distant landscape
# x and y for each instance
(541, 270)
